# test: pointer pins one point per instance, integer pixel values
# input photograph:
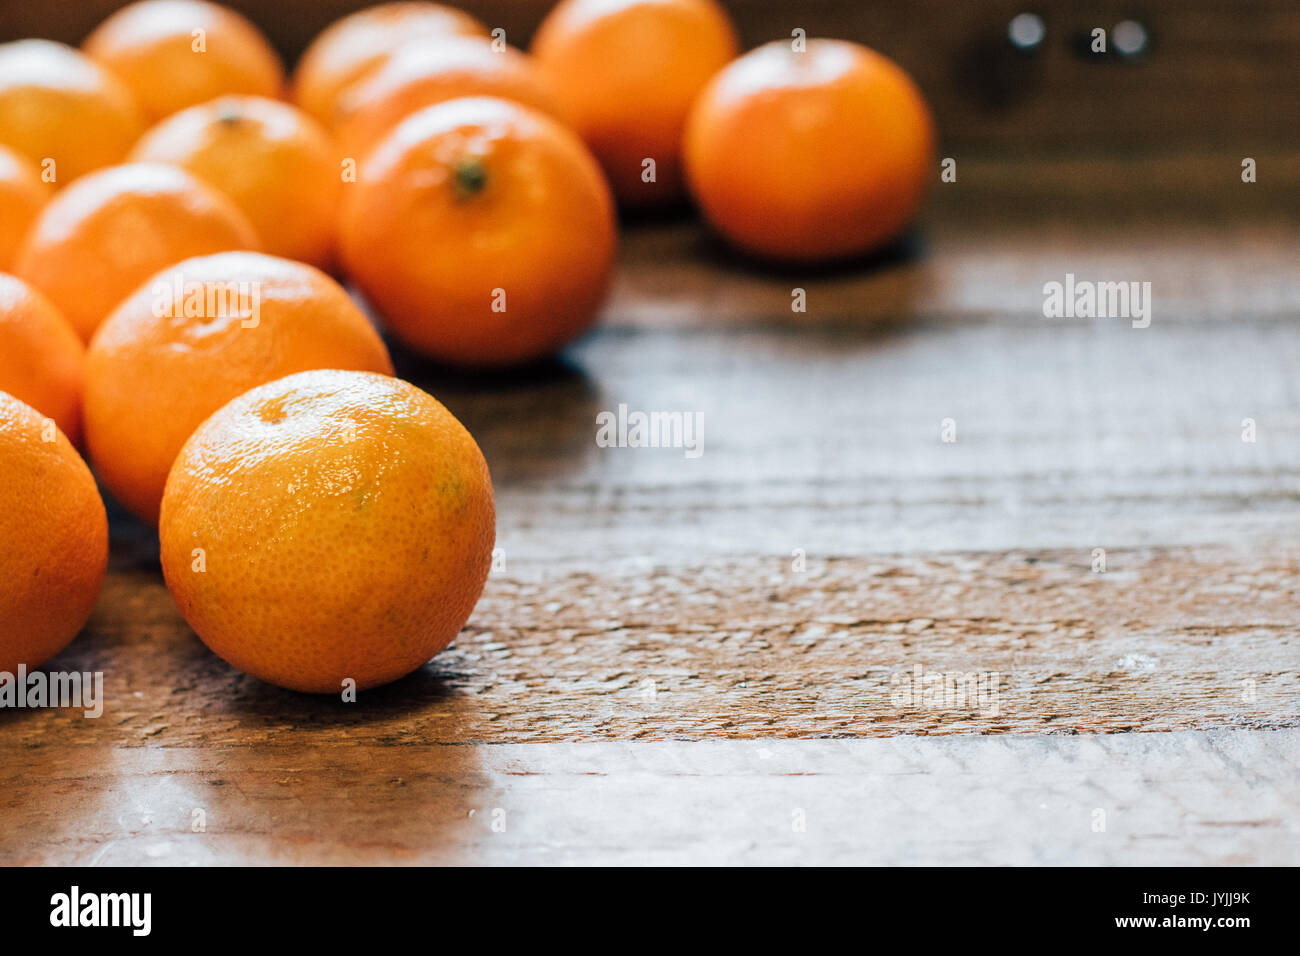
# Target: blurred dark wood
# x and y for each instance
(1219, 77)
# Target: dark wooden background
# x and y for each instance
(1165, 692)
(1216, 70)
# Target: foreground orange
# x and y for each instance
(195, 336)
(59, 106)
(53, 538)
(810, 156)
(351, 47)
(177, 53)
(22, 194)
(273, 160)
(483, 231)
(41, 358)
(626, 72)
(328, 526)
(423, 73)
(109, 231)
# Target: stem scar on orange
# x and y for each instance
(345, 524)
(810, 155)
(483, 231)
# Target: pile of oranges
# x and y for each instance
(177, 217)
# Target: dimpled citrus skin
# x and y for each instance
(22, 194)
(59, 105)
(150, 47)
(811, 156)
(42, 361)
(423, 73)
(53, 539)
(151, 380)
(349, 48)
(626, 72)
(346, 522)
(274, 161)
(106, 233)
(468, 198)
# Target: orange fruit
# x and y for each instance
(177, 53)
(276, 163)
(22, 194)
(349, 48)
(482, 230)
(106, 233)
(53, 538)
(626, 73)
(328, 526)
(41, 357)
(57, 105)
(810, 156)
(423, 73)
(195, 336)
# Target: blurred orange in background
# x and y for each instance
(273, 160)
(433, 71)
(177, 53)
(57, 105)
(626, 73)
(352, 46)
(106, 233)
(42, 360)
(810, 155)
(22, 195)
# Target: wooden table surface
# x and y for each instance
(650, 678)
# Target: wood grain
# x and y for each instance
(1212, 798)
